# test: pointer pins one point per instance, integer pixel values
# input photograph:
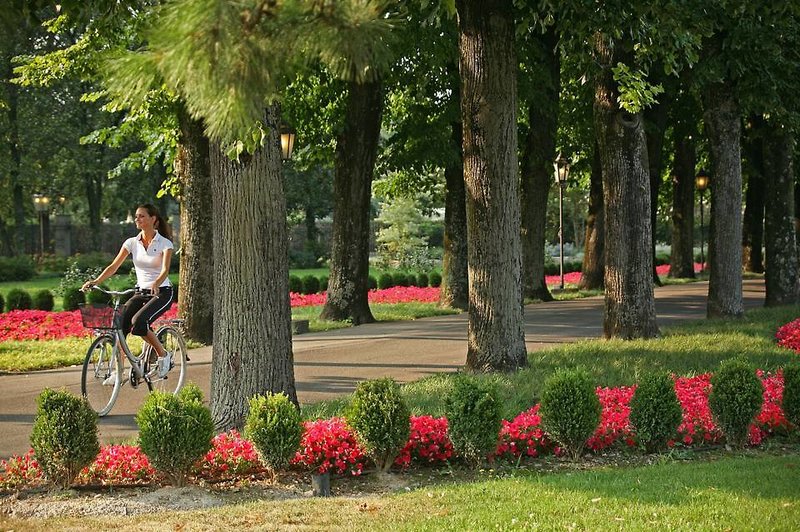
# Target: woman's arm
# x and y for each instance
(110, 270)
(167, 258)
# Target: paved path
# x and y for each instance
(331, 363)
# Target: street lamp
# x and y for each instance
(701, 183)
(42, 204)
(288, 135)
(561, 167)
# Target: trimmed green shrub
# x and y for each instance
(381, 420)
(73, 298)
(422, 279)
(20, 268)
(295, 284)
(64, 435)
(43, 300)
(435, 279)
(18, 299)
(385, 280)
(175, 431)
(310, 284)
(570, 409)
(655, 411)
(2, 303)
(474, 414)
(400, 279)
(791, 393)
(411, 279)
(373, 282)
(735, 399)
(323, 283)
(275, 428)
(96, 297)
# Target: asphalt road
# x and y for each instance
(330, 364)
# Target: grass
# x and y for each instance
(726, 493)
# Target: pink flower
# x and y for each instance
(428, 442)
(330, 445)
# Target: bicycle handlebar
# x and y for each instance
(114, 292)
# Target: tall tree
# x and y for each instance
(683, 172)
(753, 226)
(488, 107)
(594, 259)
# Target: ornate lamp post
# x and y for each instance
(42, 205)
(701, 181)
(288, 135)
(561, 167)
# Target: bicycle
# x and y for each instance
(103, 374)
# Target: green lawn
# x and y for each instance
(753, 491)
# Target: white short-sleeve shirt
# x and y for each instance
(147, 262)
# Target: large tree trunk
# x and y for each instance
(753, 226)
(196, 294)
(681, 262)
(356, 151)
(781, 246)
(12, 107)
(594, 259)
(252, 330)
(455, 279)
(656, 120)
(537, 167)
(723, 129)
(488, 108)
(629, 302)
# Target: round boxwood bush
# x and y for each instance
(18, 299)
(73, 298)
(310, 284)
(323, 283)
(96, 297)
(385, 280)
(175, 431)
(381, 420)
(570, 409)
(2, 303)
(275, 428)
(791, 393)
(43, 300)
(64, 435)
(295, 284)
(435, 279)
(411, 279)
(655, 411)
(373, 282)
(735, 399)
(400, 279)
(422, 279)
(474, 414)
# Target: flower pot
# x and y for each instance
(321, 484)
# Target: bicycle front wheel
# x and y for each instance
(173, 341)
(101, 378)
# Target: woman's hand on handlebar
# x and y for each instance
(88, 285)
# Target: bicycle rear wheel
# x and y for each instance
(173, 341)
(101, 378)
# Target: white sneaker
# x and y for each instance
(111, 380)
(165, 364)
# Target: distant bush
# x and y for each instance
(43, 300)
(385, 280)
(2, 303)
(96, 297)
(372, 282)
(295, 284)
(400, 279)
(791, 393)
(323, 283)
(73, 298)
(422, 279)
(310, 284)
(570, 410)
(64, 435)
(18, 299)
(473, 412)
(735, 399)
(16, 269)
(655, 411)
(275, 428)
(435, 279)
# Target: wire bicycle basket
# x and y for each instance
(102, 317)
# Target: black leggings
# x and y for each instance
(142, 310)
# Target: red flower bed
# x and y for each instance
(118, 464)
(230, 455)
(788, 336)
(523, 436)
(698, 424)
(19, 471)
(330, 445)
(615, 422)
(40, 325)
(428, 442)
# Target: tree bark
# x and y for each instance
(629, 299)
(721, 116)
(681, 263)
(753, 226)
(537, 167)
(12, 107)
(781, 245)
(488, 108)
(455, 279)
(594, 259)
(656, 121)
(356, 151)
(196, 294)
(252, 330)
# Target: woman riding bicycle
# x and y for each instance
(151, 251)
